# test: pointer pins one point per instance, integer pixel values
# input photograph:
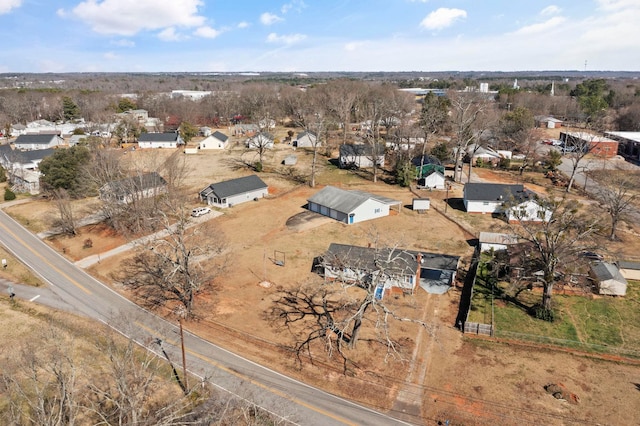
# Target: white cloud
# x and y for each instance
(442, 18)
(550, 10)
(170, 34)
(540, 27)
(123, 43)
(207, 32)
(296, 5)
(269, 18)
(285, 39)
(7, 5)
(353, 45)
(110, 56)
(126, 17)
(243, 24)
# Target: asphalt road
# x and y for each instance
(72, 289)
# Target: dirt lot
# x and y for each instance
(444, 376)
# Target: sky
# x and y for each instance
(318, 35)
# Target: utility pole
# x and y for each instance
(184, 358)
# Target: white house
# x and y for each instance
(608, 278)
(37, 142)
(350, 206)
(433, 180)
(216, 140)
(160, 140)
(361, 155)
(235, 191)
(261, 140)
(392, 270)
(305, 140)
(129, 189)
(14, 159)
(512, 200)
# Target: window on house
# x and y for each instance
(376, 211)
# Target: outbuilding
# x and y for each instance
(609, 280)
(350, 206)
(216, 140)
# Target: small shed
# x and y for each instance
(290, 160)
(629, 270)
(496, 241)
(433, 180)
(609, 280)
(421, 204)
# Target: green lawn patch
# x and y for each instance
(597, 323)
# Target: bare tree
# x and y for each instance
(434, 119)
(42, 381)
(66, 220)
(466, 110)
(174, 266)
(576, 149)
(342, 97)
(618, 191)
(308, 110)
(334, 315)
(557, 240)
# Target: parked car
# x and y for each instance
(199, 211)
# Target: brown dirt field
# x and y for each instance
(449, 377)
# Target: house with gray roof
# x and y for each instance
(361, 155)
(160, 140)
(513, 201)
(133, 188)
(36, 142)
(235, 191)
(306, 139)
(389, 270)
(609, 281)
(350, 206)
(216, 140)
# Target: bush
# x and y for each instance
(9, 195)
(258, 166)
(88, 243)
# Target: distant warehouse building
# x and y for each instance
(597, 145)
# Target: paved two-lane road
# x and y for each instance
(71, 288)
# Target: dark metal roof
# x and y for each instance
(158, 137)
(604, 271)
(359, 150)
(425, 160)
(131, 185)
(220, 136)
(23, 157)
(496, 192)
(35, 139)
(233, 187)
(391, 260)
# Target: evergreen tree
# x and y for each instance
(71, 111)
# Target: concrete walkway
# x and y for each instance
(96, 258)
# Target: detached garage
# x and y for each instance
(350, 206)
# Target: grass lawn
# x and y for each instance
(610, 324)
